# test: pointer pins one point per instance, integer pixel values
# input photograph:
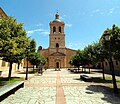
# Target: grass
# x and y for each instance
(107, 80)
(5, 81)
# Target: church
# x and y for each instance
(57, 55)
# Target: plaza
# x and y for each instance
(62, 87)
(45, 52)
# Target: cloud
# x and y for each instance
(74, 45)
(110, 11)
(68, 25)
(39, 31)
(96, 11)
(45, 32)
(38, 25)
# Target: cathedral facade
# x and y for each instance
(57, 55)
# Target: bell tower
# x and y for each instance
(57, 36)
(57, 54)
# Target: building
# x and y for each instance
(57, 55)
(4, 66)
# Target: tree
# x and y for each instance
(114, 34)
(13, 41)
(112, 42)
(89, 53)
(77, 59)
(100, 55)
(36, 59)
(32, 45)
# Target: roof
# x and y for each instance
(57, 54)
(2, 12)
(57, 18)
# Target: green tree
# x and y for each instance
(89, 53)
(114, 36)
(77, 59)
(36, 59)
(100, 54)
(13, 41)
(112, 46)
(32, 45)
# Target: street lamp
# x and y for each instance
(27, 52)
(107, 38)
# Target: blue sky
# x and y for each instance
(85, 19)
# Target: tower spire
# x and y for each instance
(57, 15)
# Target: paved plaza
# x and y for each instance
(61, 87)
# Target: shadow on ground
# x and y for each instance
(100, 80)
(109, 96)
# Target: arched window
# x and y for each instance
(57, 45)
(54, 29)
(59, 29)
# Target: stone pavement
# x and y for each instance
(61, 87)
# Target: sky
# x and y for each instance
(85, 20)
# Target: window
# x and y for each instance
(57, 45)
(54, 29)
(59, 29)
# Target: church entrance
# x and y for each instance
(57, 64)
(57, 67)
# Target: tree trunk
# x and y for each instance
(89, 70)
(33, 68)
(10, 70)
(103, 72)
(78, 67)
(18, 65)
(26, 78)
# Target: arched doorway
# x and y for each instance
(57, 64)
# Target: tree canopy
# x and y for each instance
(13, 41)
(37, 59)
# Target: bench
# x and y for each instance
(57, 69)
(86, 78)
(7, 90)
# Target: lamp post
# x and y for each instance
(26, 78)
(107, 38)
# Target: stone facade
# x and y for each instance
(57, 54)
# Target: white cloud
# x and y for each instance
(110, 11)
(39, 31)
(96, 11)
(104, 12)
(74, 45)
(68, 25)
(38, 25)
(45, 32)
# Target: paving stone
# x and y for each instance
(42, 90)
